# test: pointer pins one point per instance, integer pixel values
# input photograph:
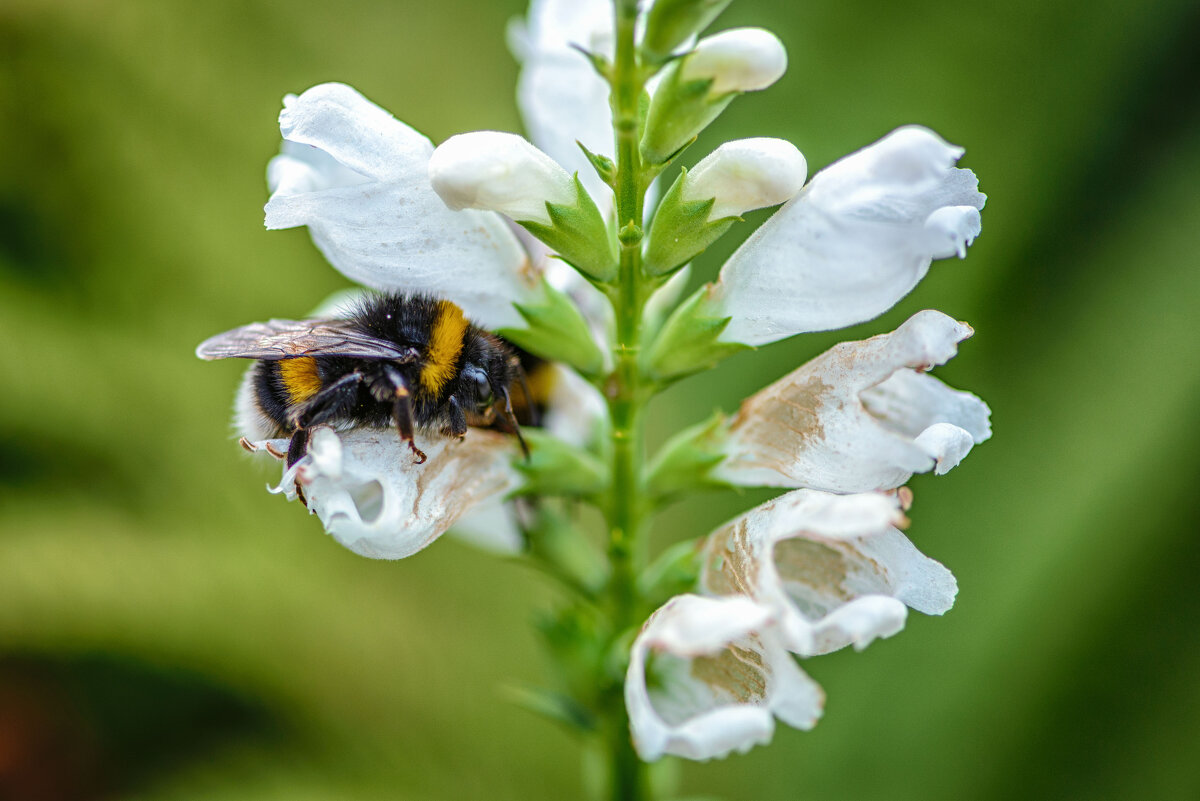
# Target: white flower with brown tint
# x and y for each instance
(835, 569)
(708, 676)
(359, 180)
(372, 496)
(861, 416)
(853, 242)
(562, 98)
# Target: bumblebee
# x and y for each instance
(411, 361)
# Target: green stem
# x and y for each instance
(625, 392)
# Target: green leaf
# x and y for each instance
(555, 706)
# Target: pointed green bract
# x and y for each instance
(685, 462)
(577, 233)
(678, 112)
(557, 468)
(689, 341)
(681, 230)
(557, 331)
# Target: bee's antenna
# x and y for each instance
(529, 401)
(511, 420)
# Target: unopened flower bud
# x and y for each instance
(504, 172)
(746, 174)
(738, 60)
(698, 87)
(701, 205)
(499, 172)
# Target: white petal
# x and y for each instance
(561, 97)
(575, 409)
(834, 568)
(849, 420)
(358, 178)
(491, 526)
(502, 172)
(737, 60)
(372, 496)
(853, 242)
(721, 678)
(746, 174)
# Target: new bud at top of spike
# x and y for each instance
(501, 172)
(746, 174)
(669, 23)
(697, 87)
(737, 60)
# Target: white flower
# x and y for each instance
(499, 172)
(373, 497)
(853, 242)
(737, 60)
(562, 98)
(359, 179)
(861, 416)
(707, 677)
(834, 569)
(746, 174)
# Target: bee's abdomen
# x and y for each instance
(281, 386)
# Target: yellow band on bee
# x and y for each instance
(445, 345)
(300, 378)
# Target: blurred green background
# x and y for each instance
(168, 630)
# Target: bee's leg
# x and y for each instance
(514, 364)
(335, 399)
(458, 419)
(331, 401)
(402, 410)
(513, 426)
(298, 446)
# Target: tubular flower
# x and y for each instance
(746, 174)
(562, 98)
(374, 499)
(855, 240)
(834, 569)
(359, 179)
(708, 676)
(862, 416)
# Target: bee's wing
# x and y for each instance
(290, 339)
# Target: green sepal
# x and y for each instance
(578, 235)
(674, 572)
(681, 230)
(670, 22)
(556, 468)
(556, 331)
(603, 165)
(685, 462)
(688, 341)
(678, 112)
(552, 705)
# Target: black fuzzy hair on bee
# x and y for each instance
(412, 361)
